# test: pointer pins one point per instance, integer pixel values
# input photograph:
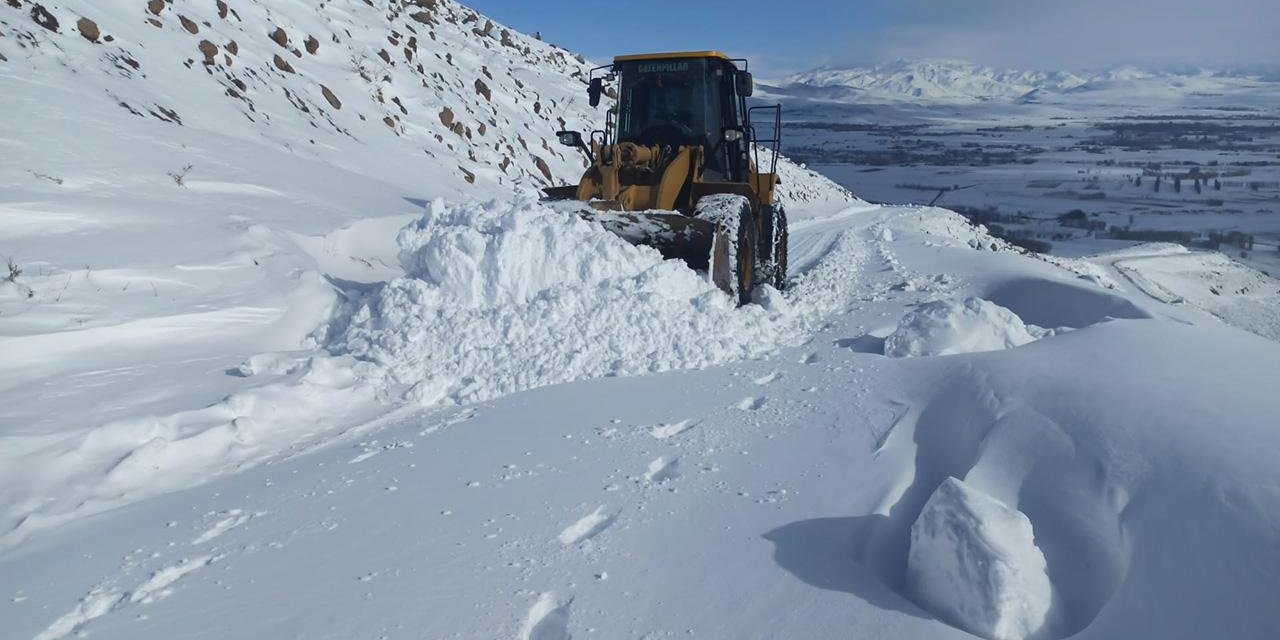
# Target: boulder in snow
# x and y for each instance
(945, 327)
(974, 563)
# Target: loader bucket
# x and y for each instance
(675, 236)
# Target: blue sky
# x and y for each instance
(776, 36)
(780, 36)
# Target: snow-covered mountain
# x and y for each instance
(288, 346)
(928, 80)
(951, 81)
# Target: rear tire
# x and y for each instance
(780, 235)
(734, 256)
(773, 246)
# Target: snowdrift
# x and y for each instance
(501, 296)
(945, 327)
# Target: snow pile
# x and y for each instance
(506, 296)
(974, 562)
(944, 327)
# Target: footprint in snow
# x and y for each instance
(664, 431)
(663, 469)
(588, 527)
(230, 520)
(548, 619)
(752, 404)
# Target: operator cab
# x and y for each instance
(690, 98)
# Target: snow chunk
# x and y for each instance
(945, 327)
(974, 563)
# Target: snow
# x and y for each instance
(956, 82)
(944, 327)
(509, 295)
(330, 385)
(1206, 280)
(974, 562)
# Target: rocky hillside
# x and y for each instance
(396, 88)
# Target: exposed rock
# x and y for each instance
(156, 6)
(283, 64)
(233, 48)
(446, 117)
(44, 18)
(280, 37)
(423, 17)
(189, 25)
(328, 95)
(389, 121)
(88, 29)
(483, 89)
(481, 129)
(155, 23)
(222, 9)
(312, 45)
(468, 176)
(542, 166)
(386, 57)
(209, 49)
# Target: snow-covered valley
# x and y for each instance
(275, 367)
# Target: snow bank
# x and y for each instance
(506, 296)
(945, 327)
(974, 562)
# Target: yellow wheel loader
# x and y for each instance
(676, 167)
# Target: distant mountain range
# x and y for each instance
(952, 81)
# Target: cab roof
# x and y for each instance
(674, 55)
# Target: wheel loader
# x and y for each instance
(677, 167)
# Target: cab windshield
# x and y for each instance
(668, 102)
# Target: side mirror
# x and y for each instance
(732, 134)
(744, 84)
(570, 138)
(574, 139)
(594, 90)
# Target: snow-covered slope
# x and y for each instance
(348, 378)
(958, 82)
(187, 218)
(188, 187)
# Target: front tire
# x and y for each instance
(734, 256)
